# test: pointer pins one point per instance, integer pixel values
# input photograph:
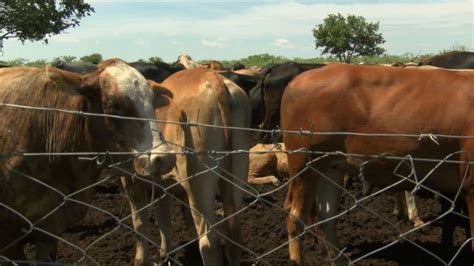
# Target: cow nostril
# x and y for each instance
(142, 165)
(154, 164)
(163, 163)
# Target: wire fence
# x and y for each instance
(368, 230)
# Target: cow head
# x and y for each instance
(116, 89)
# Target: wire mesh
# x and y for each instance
(368, 231)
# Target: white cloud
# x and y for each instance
(270, 20)
(141, 43)
(258, 28)
(180, 42)
(282, 43)
(64, 38)
(219, 43)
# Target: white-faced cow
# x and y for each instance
(187, 61)
(201, 97)
(42, 195)
(157, 71)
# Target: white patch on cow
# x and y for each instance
(328, 207)
(132, 84)
(187, 61)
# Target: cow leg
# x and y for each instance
(187, 215)
(46, 248)
(232, 225)
(448, 225)
(270, 179)
(14, 252)
(201, 194)
(299, 202)
(468, 184)
(399, 207)
(412, 210)
(136, 194)
(328, 196)
(239, 168)
(470, 207)
(163, 218)
(233, 197)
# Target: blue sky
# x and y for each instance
(212, 29)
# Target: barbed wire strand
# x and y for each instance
(223, 174)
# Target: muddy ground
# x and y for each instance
(361, 232)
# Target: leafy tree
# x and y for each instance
(154, 59)
(37, 63)
(64, 58)
(38, 20)
(17, 62)
(263, 59)
(348, 37)
(94, 58)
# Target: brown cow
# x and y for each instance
(214, 65)
(203, 96)
(268, 164)
(43, 193)
(373, 100)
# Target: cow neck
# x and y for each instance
(96, 126)
(61, 131)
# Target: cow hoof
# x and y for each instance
(276, 183)
(220, 212)
(418, 223)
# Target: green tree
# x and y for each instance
(349, 37)
(154, 59)
(37, 20)
(64, 58)
(94, 58)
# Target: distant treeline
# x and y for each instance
(252, 60)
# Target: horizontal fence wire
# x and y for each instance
(268, 199)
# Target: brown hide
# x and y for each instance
(267, 164)
(215, 65)
(33, 188)
(200, 96)
(374, 100)
(40, 131)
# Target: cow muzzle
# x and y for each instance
(157, 162)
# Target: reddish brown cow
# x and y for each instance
(43, 193)
(373, 100)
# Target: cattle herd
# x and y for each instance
(184, 132)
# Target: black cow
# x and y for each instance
(274, 81)
(455, 59)
(157, 71)
(250, 84)
(237, 66)
(76, 67)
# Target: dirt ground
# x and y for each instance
(361, 232)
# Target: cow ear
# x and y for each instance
(161, 95)
(70, 82)
(159, 90)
